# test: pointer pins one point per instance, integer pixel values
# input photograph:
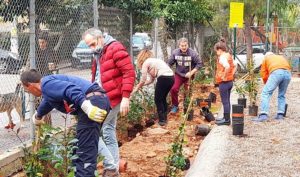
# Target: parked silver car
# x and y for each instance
(138, 44)
(147, 39)
(258, 52)
(10, 63)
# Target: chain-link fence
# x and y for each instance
(57, 31)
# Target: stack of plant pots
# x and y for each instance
(237, 119)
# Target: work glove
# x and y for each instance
(94, 113)
(37, 120)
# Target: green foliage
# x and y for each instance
(176, 160)
(53, 152)
(141, 11)
(136, 111)
(178, 11)
(251, 84)
(203, 78)
(240, 89)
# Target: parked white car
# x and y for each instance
(258, 51)
(147, 39)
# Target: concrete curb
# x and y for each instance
(212, 149)
(11, 162)
(211, 153)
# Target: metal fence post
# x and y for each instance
(96, 13)
(155, 36)
(32, 61)
(131, 52)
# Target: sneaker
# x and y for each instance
(261, 118)
(279, 116)
(162, 123)
(174, 109)
(223, 122)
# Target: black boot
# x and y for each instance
(162, 118)
(225, 120)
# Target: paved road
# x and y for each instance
(8, 138)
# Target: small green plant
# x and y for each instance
(136, 112)
(251, 84)
(52, 152)
(176, 162)
(240, 90)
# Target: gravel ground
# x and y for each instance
(270, 149)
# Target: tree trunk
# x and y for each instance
(192, 35)
(199, 44)
(163, 38)
(247, 32)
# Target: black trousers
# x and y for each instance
(88, 133)
(163, 86)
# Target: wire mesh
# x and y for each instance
(58, 29)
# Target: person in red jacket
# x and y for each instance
(113, 70)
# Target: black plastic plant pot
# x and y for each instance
(237, 108)
(198, 101)
(209, 117)
(204, 111)
(138, 127)
(202, 130)
(253, 110)
(208, 102)
(238, 126)
(187, 164)
(213, 97)
(149, 122)
(131, 132)
(190, 115)
(285, 110)
(242, 101)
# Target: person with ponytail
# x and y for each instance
(156, 68)
(224, 77)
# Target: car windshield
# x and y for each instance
(137, 40)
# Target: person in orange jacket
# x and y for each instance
(224, 77)
(275, 72)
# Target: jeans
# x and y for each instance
(225, 90)
(108, 144)
(279, 78)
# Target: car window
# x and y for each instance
(257, 50)
(137, 40)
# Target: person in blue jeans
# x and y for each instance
(89, 102)
(275, 72)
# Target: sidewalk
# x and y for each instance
(270, 149)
